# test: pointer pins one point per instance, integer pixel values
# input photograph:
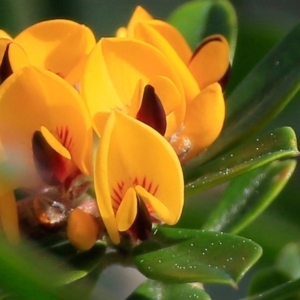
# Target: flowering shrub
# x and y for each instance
(104, 145)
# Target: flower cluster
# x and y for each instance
(152, 102)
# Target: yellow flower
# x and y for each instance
(116, 75)
(60, 46)
(45, 133)
(199, 72)
(138, 178)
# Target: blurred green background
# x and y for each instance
(262, 23)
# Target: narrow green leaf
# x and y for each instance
(248, 195)
(198, 256)
(272, 146)
(205, 17)
(263, 93)
(266, 279)
(282, 292)
(153, 290)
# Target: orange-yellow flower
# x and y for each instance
(116, 74)
(138, 178)
(199, 72)
(45, 135)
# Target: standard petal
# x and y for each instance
(133, 154)
(60, 46)
(145, 32)
(204, 121)
(210, 61)
(139, 14)
(113, 70)
(102, 184)
(32, 98)
(174, 37)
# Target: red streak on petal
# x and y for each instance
(155, 190)
(65, 137)
(144, 183)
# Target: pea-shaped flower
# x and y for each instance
(45, 134)
(138, 178)
(200, 72)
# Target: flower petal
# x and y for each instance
(82, 229)
(151, 111)
(204, 121)
(9, 215)
(130, 154)
(174, 37)
(144, 31)
(60, 46)
(4, 34)
(54, 143)
(210, 61)
(113, 70)
(127, 210)
(12, 57)
(157, 206)
(172, 101)
(139, 14)
(31, 98)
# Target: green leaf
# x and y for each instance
(288, 260)
(248, 195)
(205, 17)
(153, 290)
(81, 263)
(281, 292)
(26, 275)
(196, 255)
(272, 146)
(263, 93)
(267, 279)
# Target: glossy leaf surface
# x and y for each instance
(153, 290)
(248, 195)
(259, 151)
(196, 256)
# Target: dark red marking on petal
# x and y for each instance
(142, 225)
(155, 190)
(65, 137)
(5, 67)
(117, 195)
(49, 164)
(135, 181)
(151, 111)
(144, 183)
